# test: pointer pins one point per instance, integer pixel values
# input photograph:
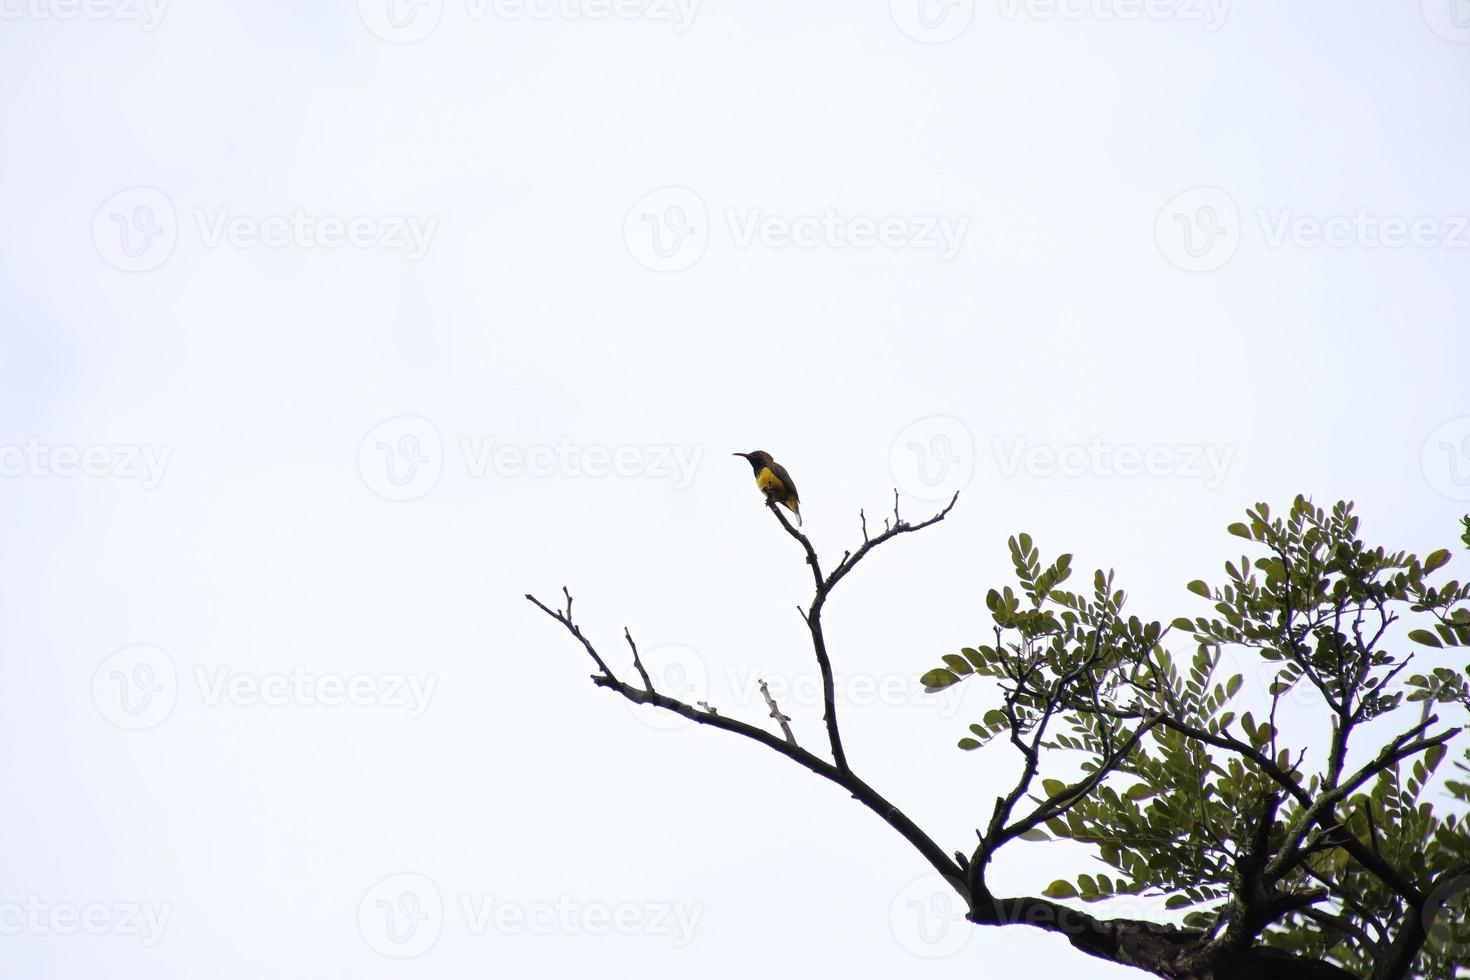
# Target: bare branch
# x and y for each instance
(823, 588)
(565, 618)
(842, 776)
(783, 720)
(647, 684)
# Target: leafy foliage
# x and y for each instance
(1188, 790)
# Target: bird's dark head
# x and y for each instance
(756, 459)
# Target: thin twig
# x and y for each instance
(783, 720)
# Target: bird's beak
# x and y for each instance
(741, 455)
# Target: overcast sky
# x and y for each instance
(328, 330)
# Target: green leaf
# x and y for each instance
(1436, 559)
(1433, 756)
(1199, 588)
(938, 679)
(1053, 786)
(1177, 901)
(1184, 623)
(1034, 834)
(1425, 637)
(968, 743)
(994, 718)
(1060, 889)
(1239, 530)
(958, 664)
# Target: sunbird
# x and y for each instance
(774, 481)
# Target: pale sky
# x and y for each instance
(329, 330)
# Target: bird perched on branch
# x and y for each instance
(773, 480)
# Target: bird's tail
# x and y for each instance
(795, 508)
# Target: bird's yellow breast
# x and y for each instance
(769, 482)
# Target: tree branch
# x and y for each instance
(824, 587)
(846, 778)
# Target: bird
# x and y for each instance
(773, 480)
